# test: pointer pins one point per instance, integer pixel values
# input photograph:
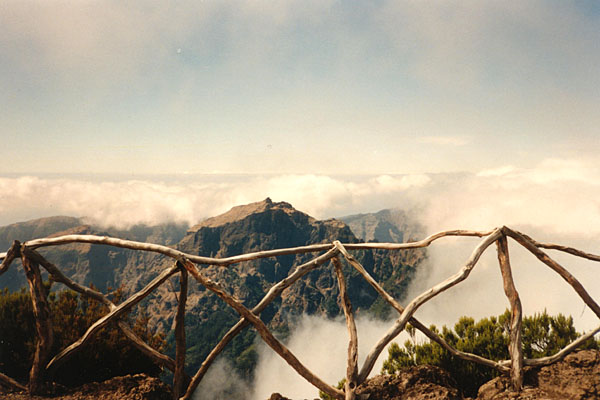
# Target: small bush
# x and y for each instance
(543, 335)
(109, 353)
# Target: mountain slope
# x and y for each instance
(99, 265)
(258, 226)
(390, 225)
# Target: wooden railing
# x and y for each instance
(184, 264)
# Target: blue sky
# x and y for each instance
(320, 87)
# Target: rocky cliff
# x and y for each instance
(268, 225)
(391, 225)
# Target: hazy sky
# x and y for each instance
(296, 86)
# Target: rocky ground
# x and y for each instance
(130, 387)
(577, 377)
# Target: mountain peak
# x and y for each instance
(240, 212)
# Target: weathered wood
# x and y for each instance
(413, 321)
(116, 313)
(178, 376)
(58, 276)
(542, 361)
(263, 331)
(9, 256)
(352, 366)
(559, 269)
(565, 249)
(168, 251)
(176, 254)
(515, 348)
(11, 383)
(273, 293)
(418, 244)
(43, 324)
(115, 242)
(156, 356)
(422, 298)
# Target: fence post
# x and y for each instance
(515, 348)
(179, 384)
(43, 324)
(352, 368)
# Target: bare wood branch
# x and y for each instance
(566, 249)
(352, 367)
(168, 251)
(538, 362)
(122, 243)
(413, 321)
(58, 276)
(43, 323)
(422, 298)
(178, 376)
(273, 293)
(116, 313)
(559, 269)
(158, 357)
(457, 353)
(264, 332)
(176, 254)
(515, 348)
(413, 245)
(10, 382)
(9, 256)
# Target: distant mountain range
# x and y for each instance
(258, 226)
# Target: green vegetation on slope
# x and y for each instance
(543, 335)
(109, 354)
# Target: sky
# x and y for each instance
(296, 87)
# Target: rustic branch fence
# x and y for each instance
(184, 264)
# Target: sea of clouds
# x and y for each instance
(555, 201)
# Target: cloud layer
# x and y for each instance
(560, 195)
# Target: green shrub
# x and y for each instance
(543, 335)
(109, 353)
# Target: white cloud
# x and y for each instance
(561, 195)
(325, 357)
(222, 383)
(123, 203)
(555, 201)
(387, 183)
